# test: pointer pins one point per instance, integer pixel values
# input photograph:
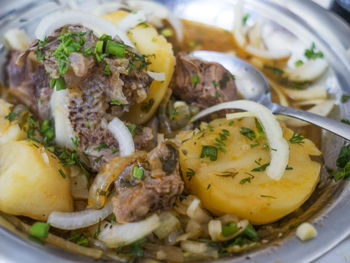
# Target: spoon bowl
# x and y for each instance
(253, 85)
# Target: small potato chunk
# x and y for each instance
(230, 186)
(30, 182)
(161, 57)
(9, 128)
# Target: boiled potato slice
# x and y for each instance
(161, 56)
(229, 186)
(30, 182)
(9, 130)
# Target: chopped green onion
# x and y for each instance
(40, 230)
(250, 232)
(62, 173)
(229, 229)
(137, 172)
(115, 49)
(195, 80)
(190, 173)
(99, 47)
(11, 116)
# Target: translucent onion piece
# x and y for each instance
(131, 20)
(309, 71)
(239, 115)
(117, 235)
(77, 220)
(156, 76)
(275, 54)
(215, 230)
(122, 134)
(155, 13)
(59, 110)
(312, 93)
(59, 19)
(16, 39)
(279, 149)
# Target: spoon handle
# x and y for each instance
(336, 127)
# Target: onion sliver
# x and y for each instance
(70, 17)
(156, 76)
(279, 149)
(16, 39)
(77, 220)
(279, 54)
(117, 235)
(122, 134)
(311, 93)
(309, 71)
(131, 20)
(155, 12)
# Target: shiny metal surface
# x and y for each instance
(328, 208)
(253, 85)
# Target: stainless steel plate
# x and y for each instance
(297, 23)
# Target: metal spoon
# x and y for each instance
(252, 84)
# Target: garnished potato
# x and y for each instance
(32, 181)
(161, 56)
(236, 183)
(9, 128)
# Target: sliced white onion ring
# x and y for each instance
(122, 134)
(59, 19)
(77, 220)
(309, 71)
(131, 20)
(158, 76)
(279, 149)
(117, 235)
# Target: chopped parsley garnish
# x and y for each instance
(11, 116)
(247, 179)
(261, 168)
(114, 150)
(245, 18)
(48, 131)
(115, 102)
(344, 98)
(229, 229)
(254, 145)
(132, 129)
(137, 172)
(107, 70)
(288, 168)
(41, 44)
(210, 152)
(208, 187)
(133, 250)
(274, 70)
(343, 164)
(312, 54)
(79, 239)
(215, 83)
(195, 80)
(173, 114)
(345, 121)
(220, 140)
(102, 145)
(62, 173)
(39, 230)
(190, 173)
(217, 94)
(231, 123)
(297, 138)
(299, 63)
(250, 134)
(32, 125)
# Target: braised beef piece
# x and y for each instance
(91, 89)
(157, 189)
(202, 83)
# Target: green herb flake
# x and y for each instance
(250, 134)
(107, 70)
(245, 18)
(261, 168)
(195, 80)
(208, 187)
(116, 49)
(132, 129)
(137, 172)
(102, 145)
(190, 173)
(229, 229)
(247, 179)
(268, 196)
(250, 232)
(11, 116)
(217, 94)
(299, 63)
(312, 54)
(115, 102)
(345, 121)
(344, 98)
(210, 152)
(274, 70)
(297, 138)
(39, 230)
(231, 123)
(343, 164)
(288, 168)
(62, 173)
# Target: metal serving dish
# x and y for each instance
(303, 22)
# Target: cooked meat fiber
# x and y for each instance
(157, 189)
(92, 89)
(202, 83)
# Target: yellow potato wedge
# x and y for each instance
(30, 182)
(229, 186)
